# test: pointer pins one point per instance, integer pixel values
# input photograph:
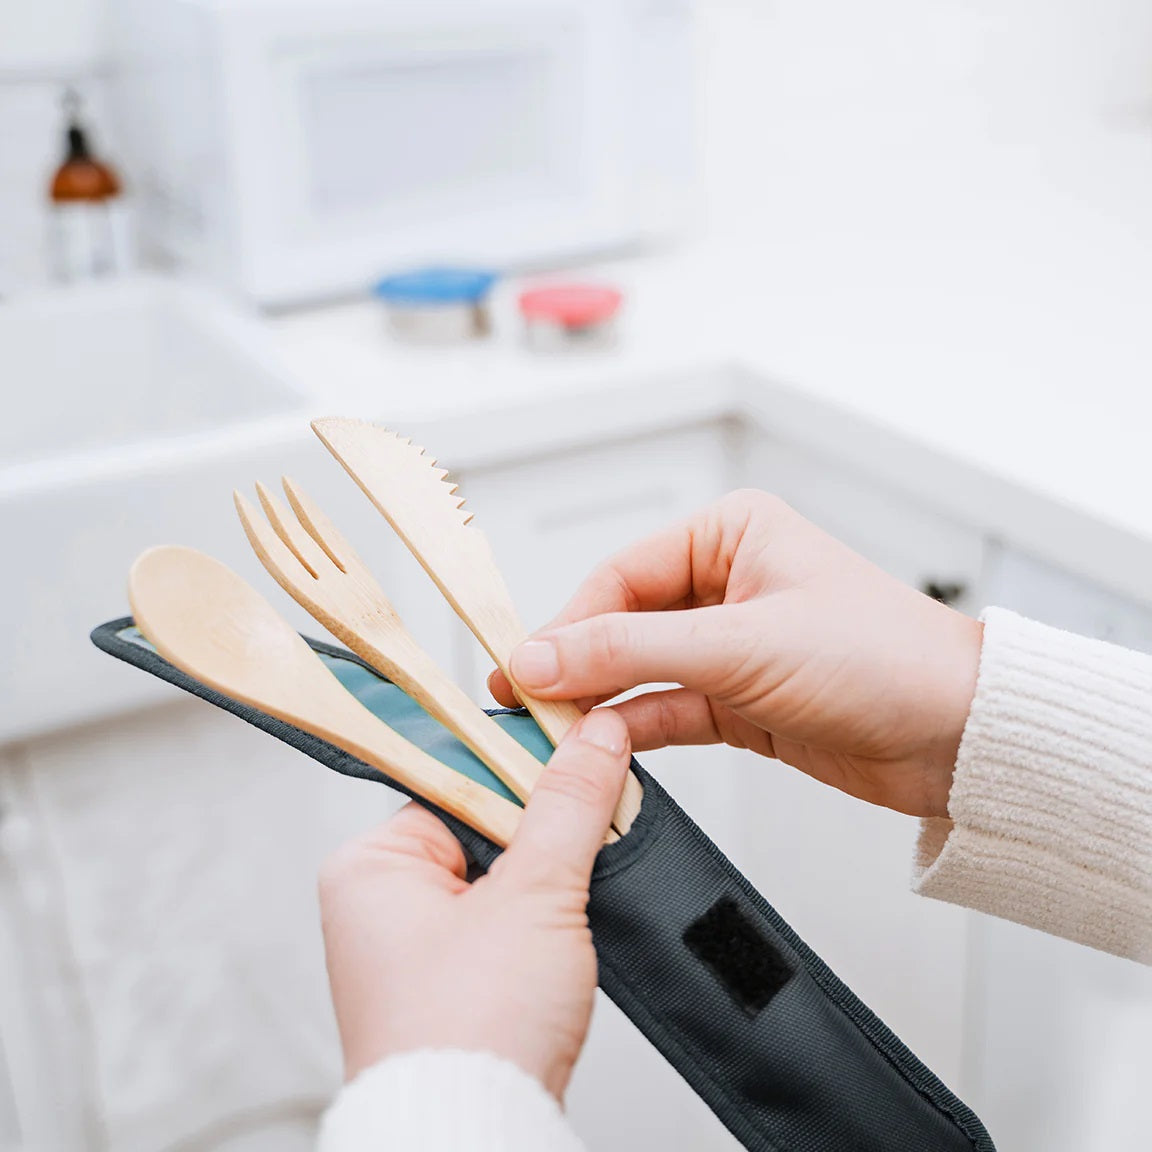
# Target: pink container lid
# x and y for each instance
(573, 305)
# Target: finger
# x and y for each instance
(506, 696)
(678, 716)
(705, 649)
(650, 575)
(502, 691)
(684, 566)
(570, 810)
(675, 716)
(414, 836)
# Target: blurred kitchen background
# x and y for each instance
(608, 260)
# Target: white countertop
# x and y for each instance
(950, 294)
(933, 266)
(992, 353)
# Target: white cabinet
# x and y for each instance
(41, 1096)
(912, 541)
(1062, 1060)
(161, 975)
(1044, 592)
(165, 984)
(550, 522)
(839, 869)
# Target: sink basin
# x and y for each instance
(132, 408)
(108, 365)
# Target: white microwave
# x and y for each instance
(301, 149)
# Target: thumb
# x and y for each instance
(604, 655)
(570, 810)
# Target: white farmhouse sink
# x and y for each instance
(107, 366)
(131, 409)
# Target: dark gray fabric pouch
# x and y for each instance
(780, 1049)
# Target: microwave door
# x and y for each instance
(311, 146)
(461, 147)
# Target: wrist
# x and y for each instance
(962, 670)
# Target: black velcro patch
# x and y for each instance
(748, 966)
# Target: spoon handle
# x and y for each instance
(358, 731)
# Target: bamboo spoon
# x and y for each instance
(426, 513)
(312, 561)
(209, 623)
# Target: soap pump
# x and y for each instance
(88, 227)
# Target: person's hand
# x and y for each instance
(785, 641)
(420, 958)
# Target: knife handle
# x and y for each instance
(556, 717)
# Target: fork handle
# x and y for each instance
(411, 669)
(441, 696)
(370, 739)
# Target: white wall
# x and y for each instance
(39, 34)
(835, 102)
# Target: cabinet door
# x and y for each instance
(837, 868)
(170, 942)
(913, 542)
(41, 1078)
(1063, 1061)
(550, 522)
(1044, 592)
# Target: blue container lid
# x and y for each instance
(436, 286)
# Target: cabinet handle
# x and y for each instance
(947, 592)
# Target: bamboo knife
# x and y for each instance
(427, 514)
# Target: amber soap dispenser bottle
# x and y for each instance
(88, 236)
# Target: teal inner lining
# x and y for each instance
(400, 712)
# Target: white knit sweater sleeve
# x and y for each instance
(445, 1101)
(1051, 804)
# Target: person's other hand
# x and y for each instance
(785, 641)
(420, 958)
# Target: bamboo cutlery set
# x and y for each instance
(209, 623)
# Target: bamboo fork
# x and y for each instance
(313, 562)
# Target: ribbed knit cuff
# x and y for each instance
(1051, 804)
(430, 1101)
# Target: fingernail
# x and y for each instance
(603, 729)
(535, 664)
